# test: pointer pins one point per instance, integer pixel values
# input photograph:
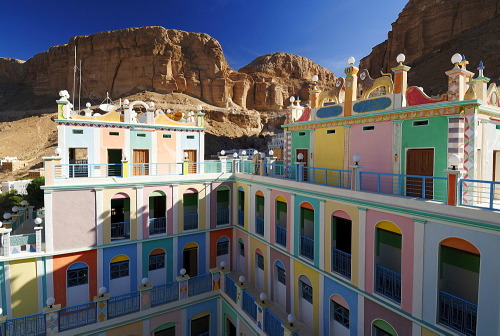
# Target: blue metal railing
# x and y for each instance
(424, 187)
(77, 316)
(241, 217)
(65, 171)
(190, 221)
(333, 177)
(31, 325)
(272, 324)
(230, 288)
(123, 304)
(208, 167)
(259, 226)
(388, 283)
(341, 262)
(249, 167)
(287, 172)
(457, 313)
(307, 247)
(157, 225)
(222, 216)
(165, 293)
(199, 284)
(155, 169)
(120, 230)
(249, 305)
(480, 194)
(281, 235)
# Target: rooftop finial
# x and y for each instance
(480, 67)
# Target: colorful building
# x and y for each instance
(383, 220)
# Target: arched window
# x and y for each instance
(281, 217)
(382, 328)
(120, 217)
(157, 259)
(259, 213)
(341, 243)
(190, 207)
(241, 206)
(77, 274)
(339, 315)
(307, 230)
(223, 197)
(388, 240)
(119, 267)
(157, 212)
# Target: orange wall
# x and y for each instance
(61, 264)
(111, 141)
(214, 236)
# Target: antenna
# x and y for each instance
(80, 85)
(107, 104)
(74, 79)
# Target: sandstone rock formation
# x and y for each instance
(278, 76)
(429, 32)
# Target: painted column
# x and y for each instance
(208, 210)
(291, 227)
(351, 87)
(418, 272)
(183, 286)
(38, 234)
(356, 177)
(318, 236)
(139, 199)
(145, 294)
(456, 137)
(267, 214)
(99, 205)
(347, 145)
(175, 209)
(453, 197)
(240, 287)
(290, 329)
(52, 319)
(5, 241)
(480, 83)
(261, 310)
(400, 83)
(396, 146)
(361, 248)
(102, 307)
(49, 230)
(457, 79)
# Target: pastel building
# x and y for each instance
(382, 220)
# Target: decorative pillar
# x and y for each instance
(458, 78)
(102, 307)
(262, 305)
(290, 328)
(351, 86)
(400, 82)
(52, 319)
(5, 240)
(481, 83)
(3, 319)
(261, 166)
(150, 114)
(183, 286)
(217, 279)
(314, 93)
(356, 177)
(240, 287)
(145, 293)
(38, 238)
(125, 167)
(453, 186)
(299, 174)
(223, 163)
(185, 166)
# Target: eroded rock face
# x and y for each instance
(278, 76)
(426, 28)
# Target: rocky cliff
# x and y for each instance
(156, 59)
(429, 32)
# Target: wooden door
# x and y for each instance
(114, 162)
(304, 152)
(140, 161)
(190, 261)
(192, 158)
(419, 162)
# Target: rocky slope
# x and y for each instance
(429, 32)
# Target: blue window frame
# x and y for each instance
(307, 292)
(341, 314)
(77, 274)
(281, 275)
(156, 261)
(242, 249)
(260, 261)
(119, 269)
(222, 247)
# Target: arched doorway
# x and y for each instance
(190, 259)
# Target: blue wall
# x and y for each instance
(332, 287)
(109, 253)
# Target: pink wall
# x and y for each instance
(81, 219)
(174, 316)
(406, 226)
(375, 147)
(145, 209)
(375, 312)
(166, 147)
(111, 141)
(213, 203)
(276, 255)
(272, 209)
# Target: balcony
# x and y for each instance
(120, 230)
(307, 247)
(157, 225)
(259, 226)
(341, 263)
(281, 235)
(222, 216)
(457, 314)
(241, 217)
(190, 221)
(388, 283)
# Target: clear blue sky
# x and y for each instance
(326, 31)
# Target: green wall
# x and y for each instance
(149, 246)
(300, 141)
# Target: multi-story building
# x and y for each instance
(385, 222)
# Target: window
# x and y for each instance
(281, 275)
(330, 131)
(190, 136)
(341, 314)
(421, 123)
(222, 248)
(77, 276)
(260, 261)
(302, 133)
(242, 249)
(167, 136)
(119, 269)
(307, 292)
(156, 261)
(141, 135)
(368, 128)
(77, 131)
(114, 133)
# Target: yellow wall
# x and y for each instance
(24, 287)
(202, 205)
(107, 195)
(133, 329)
(254, 245)
(302, 269)
(353, 212)
(426, 332)
(247, 204)
(329, 148)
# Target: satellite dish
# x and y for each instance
(107, 107)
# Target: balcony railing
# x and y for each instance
(230, 288)
(480, 194)
(241, 217)
(286, 172)
(281, 235)
(199, 284)
(272, 324)
(249, 305)
(424, 187)
(165, 293)
(190, 221)
(249, 167)
(155, 169)
(333, 177)
(457, 313)
(222, 216)
(120, 230)
(31, 325)
(208, 167)
(388, 283)
(341, 263)
(157, 225)
(65, 171)
(259, 226)
(77, 316)
(123, 304)
(307, 247)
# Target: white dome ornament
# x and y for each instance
(400, 59)
(362, 76)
